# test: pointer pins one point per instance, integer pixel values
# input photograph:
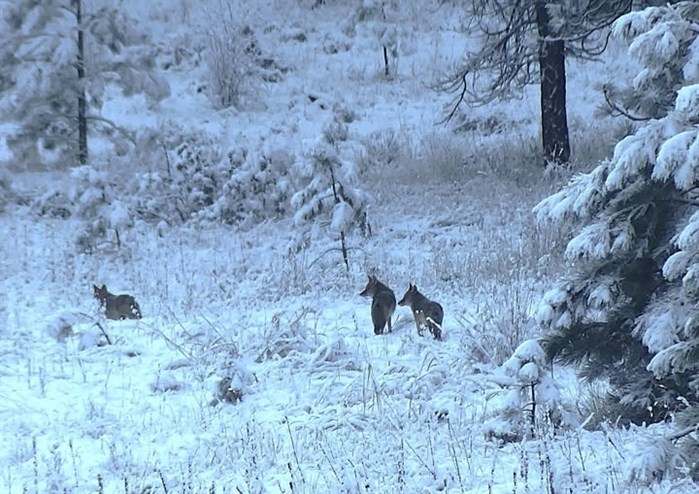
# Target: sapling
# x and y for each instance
(532, 393)
(330, 189)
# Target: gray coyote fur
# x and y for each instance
(428, 314)
(383, 304)
(117, 306)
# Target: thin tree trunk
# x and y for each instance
(82, 99)
(386, 71)
(343, 244)
(552, 72)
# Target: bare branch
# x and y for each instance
(508, 58)
(114, 126)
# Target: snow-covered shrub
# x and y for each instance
(91, 197)
(331, 189)
(193, 177)
(187, 171)
(94, 201)
(628, 310)
(54, 204)
(336, 42)
(258, 187)
(383, 148)
(181, 50)
(335, 131)
(230, 58)
(60, 325)
(286, 337)
(235, 61)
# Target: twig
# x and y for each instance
(684, 432)
(331, 249)
(114, 126)
(167, 159)
(293, 447)
(109, 341)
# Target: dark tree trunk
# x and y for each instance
(82, 100)
(552, 72)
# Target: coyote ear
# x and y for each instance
(104, 287)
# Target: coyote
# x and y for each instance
(117, 306)
(383, 304)
(428, 314)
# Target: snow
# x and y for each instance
(325, 405)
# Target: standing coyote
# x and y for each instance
(117, 306)
(383, 304)
(427, 313)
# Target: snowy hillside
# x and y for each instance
(255, 368)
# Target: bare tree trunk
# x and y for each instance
(82, 99)
(552, 72)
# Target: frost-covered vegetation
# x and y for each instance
(249, 165)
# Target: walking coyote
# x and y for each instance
(428, 314)
(383, 304)
(117, 306)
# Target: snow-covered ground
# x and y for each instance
(319, 404)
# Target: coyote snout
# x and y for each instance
(117, 306)
(383, 304)
(428, 314)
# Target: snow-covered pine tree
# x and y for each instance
(374, 15)
(628, 310)
(532, 395)
(331, 188)
(53, 88)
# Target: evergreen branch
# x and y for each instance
(688, 202)
(114, 126)
(104, 120)
(682, 433)
(620, 111)
(332, 249)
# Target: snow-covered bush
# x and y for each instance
(382, 148)
(259, 187)
(193, 177)
(629, 308)
(89, 196)
(94, 201)
(230, 57)
(236, 63)
(187, 171)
